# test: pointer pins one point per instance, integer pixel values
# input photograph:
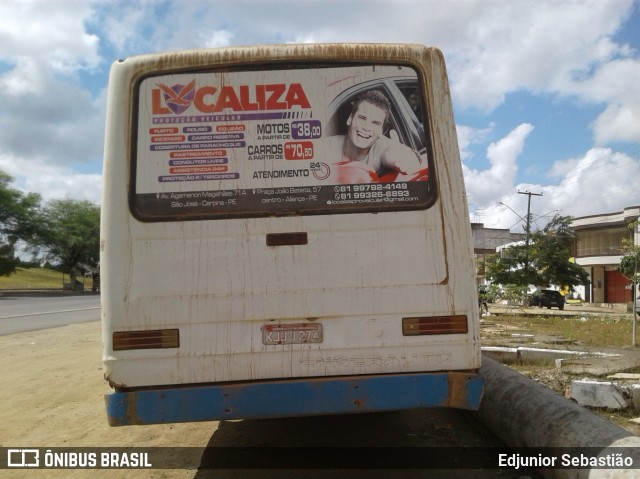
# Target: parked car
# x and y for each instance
(547, 298)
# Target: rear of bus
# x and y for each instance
(250, 269)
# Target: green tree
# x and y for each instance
(548, 258)
(19, 220)
(507, 267)
(630, 262)
(551, 252)
(71, 238)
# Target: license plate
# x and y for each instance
(300, 333)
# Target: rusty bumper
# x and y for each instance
(296, 397)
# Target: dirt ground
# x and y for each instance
(52, 396)
(69, 413)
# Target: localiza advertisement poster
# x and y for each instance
(280, 142)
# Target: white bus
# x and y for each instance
(284, 233)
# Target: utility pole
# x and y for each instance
(634, 285)
(528, 229)
(633, 298)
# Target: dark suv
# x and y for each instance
(547, 298)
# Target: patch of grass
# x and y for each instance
(621, 418)
(546, 373)
(33, 278)
(594, 331)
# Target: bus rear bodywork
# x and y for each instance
(248, 272)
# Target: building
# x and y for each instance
(487, 241)
(598, 249)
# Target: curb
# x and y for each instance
(521, 353)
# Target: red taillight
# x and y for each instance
(435, 325)
(153, 339)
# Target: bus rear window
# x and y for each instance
(280, 142)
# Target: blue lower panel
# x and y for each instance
(297, 397)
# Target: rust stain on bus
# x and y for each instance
(458, 390)
(285, 53)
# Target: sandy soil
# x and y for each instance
(52, 396)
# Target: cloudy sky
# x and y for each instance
(546, 93)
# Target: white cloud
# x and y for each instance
(468, 136)
(63, 183)
(492, 48)
(618, 123)
(219, 38)
(562, 168)
(121, 24)
(601, 181)
(483, 186)
(543, 46)
(43, 116)
(51, 181)
(50, 122)
(27, 77)
(615, 85)
(52, 32)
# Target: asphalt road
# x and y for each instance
(32, 313)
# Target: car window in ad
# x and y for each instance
(281, 142)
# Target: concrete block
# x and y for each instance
(635, 396)
(539, 354)
(600, 394)
(625, 376)
(523, 336)
(501, 354)
(596, 364)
